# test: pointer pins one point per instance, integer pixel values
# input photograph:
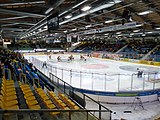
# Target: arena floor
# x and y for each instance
(101, 74)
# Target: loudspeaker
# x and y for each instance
(87, 18)
(125, 16)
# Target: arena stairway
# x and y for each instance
(121, 49)
(146, 56)
(76, 45)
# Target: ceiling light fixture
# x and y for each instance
(139, 25)
(158, 28)
(132, 34)
(49, 10)
(143, 34)
(45, 27)
(74, 29)
(87, 26)
(118, 33)
(136, 30)
(68, 16)
(108, 21)
(85, 8)
(145, 12)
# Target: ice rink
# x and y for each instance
(99, 74)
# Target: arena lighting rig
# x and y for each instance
(42, 23)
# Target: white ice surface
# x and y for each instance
(104, 75)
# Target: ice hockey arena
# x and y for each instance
(80, 59)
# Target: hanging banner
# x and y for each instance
(92, 31)
(117, 27)
(110, 28)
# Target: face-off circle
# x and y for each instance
(145, 69)
(95, 66)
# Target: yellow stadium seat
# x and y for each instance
(47, 102)
(66, 108)
(54, 113)
(10, 103)
(8, 93)
(13, 97)
(44, 98)
(50, 106)
(15, 107)
(8, 89)
(24, 85)
(76, 107)
(42, 93)
(30, 98)
(39, 89)
(62, 105)
(25, 88)
(35, 107)
(32, 102)
(27, 91)
(29, 94)
(8, 83)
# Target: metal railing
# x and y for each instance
(63, 114)
(71, 91)
(7, 73)
(102, 82)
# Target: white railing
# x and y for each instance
(102, 82)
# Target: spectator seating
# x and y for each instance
(137, 49)
(29, 97)
(98, 46)
(70, 103)
(155, 55)
(46, 100)
(8, 98)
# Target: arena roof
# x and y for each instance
(23, 19)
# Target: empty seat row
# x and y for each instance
(70, 103)
(8, 97)
(46, 100)
(29, 97)
(58, 101)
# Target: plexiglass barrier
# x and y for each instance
(102, 82)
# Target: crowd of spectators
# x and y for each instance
(137, 49)
(7, 59)
(99, 46)
(155, 55)
(31, 46)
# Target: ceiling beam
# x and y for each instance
(22, 3)
(13, 29)
(17, 23)
(43, 21)
(18, 13)
(4, 25)
(12, 18)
